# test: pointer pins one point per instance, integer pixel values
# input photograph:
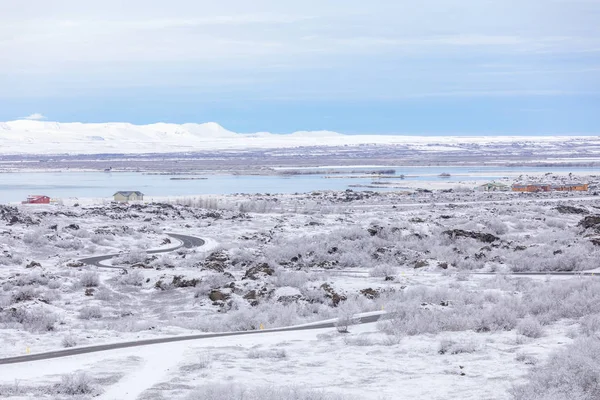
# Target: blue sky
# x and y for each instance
(394, 66)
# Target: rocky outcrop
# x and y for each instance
(571, 210)
(482, 237)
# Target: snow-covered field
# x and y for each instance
(438, 266)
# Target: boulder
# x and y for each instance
(217, 295)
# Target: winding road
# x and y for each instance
(187, 242)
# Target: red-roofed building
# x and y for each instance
(37, 199)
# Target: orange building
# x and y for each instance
(571, 187)
(531, 188)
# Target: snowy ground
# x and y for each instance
(275, 261)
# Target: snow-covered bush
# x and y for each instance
(383, 270)
(89, 279)
(448, 346)
(90, 312)
(75, 384)
(573, 373)
(132, 278)
(32, 320)
(35, 238)
(239, 392)
(277, 354)
(530, 327)
(69, 340)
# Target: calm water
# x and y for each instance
(15, 187)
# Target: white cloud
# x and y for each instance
(67, 46)
(35, 117)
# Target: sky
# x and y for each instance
(425, 67)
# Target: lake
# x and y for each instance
(15, 187)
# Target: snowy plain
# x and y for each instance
(283, 260)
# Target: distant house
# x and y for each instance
(125, 196)
(493, 187)
(37, 199)
(538, 187)
(531, 187)
(571, 187)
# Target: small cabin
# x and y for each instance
(126, 196)
(37, 199)
(493, 187)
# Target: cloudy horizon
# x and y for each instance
(442, 67)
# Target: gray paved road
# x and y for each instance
(146, 342)
(533, 273)
(187, 242)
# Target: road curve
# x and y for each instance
(187, 242)
(146, 342)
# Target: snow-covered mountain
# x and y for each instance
(42, 137)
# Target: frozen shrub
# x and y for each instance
(132, 278)
(91, 312)
(496, 318)
(526, 359)
(448, 346)
(54, 284)
(572, 373)
(346, 317)
(295, 279)
(89, 279)
(32, 320)
(590, 325)
(530, 327)
(69, 341)
(74, 384)
(383, 270)
(34, 278)
(104, 295)
(369, 340)
(273, 353)
(24, 293)
(238, 392)
(70, 244)
(35, 238)
(498, 227)
(131, 257)
(202, 363)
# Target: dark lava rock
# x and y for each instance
(370, 293)
(74, 227)
(590, 222)
(331, 294)
(217, 295)
(179, 282)
(33, 264)
(571, 210)
(254, 272)
(482, 237)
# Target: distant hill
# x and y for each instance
(42, 137)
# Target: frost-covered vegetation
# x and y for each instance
(441, 265)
